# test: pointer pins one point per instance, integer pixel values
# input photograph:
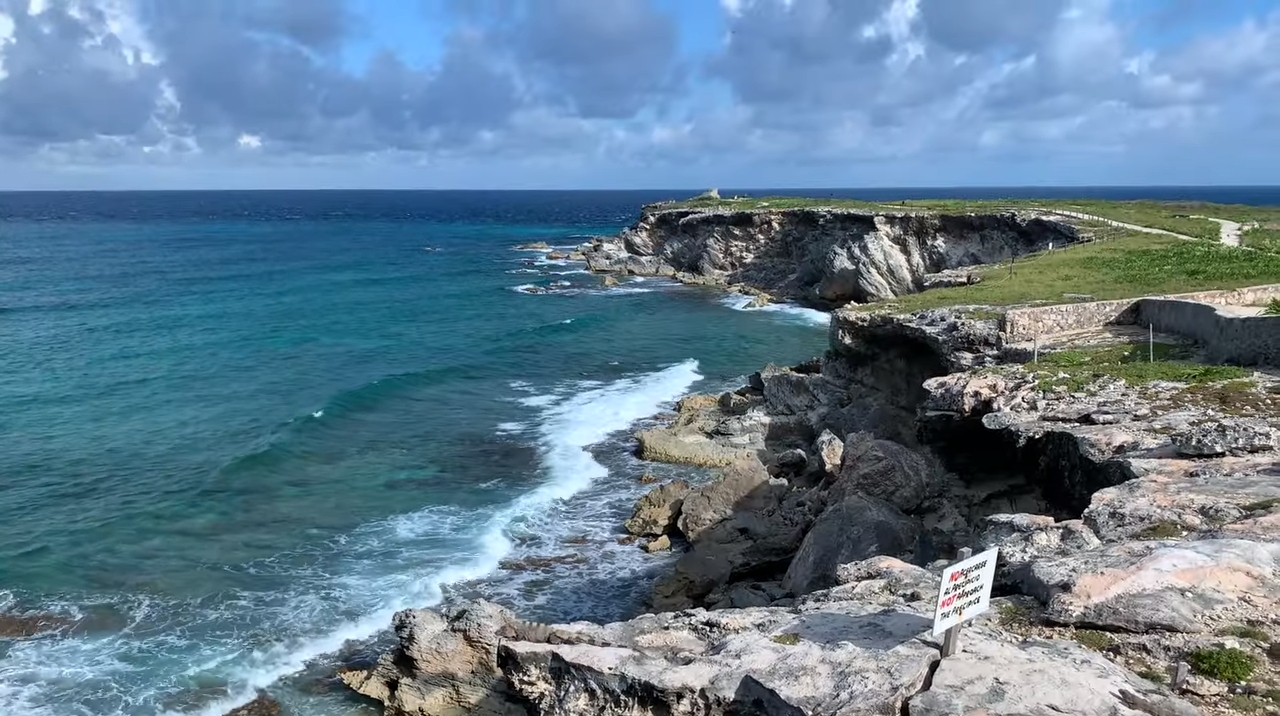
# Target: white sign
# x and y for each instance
(966, 590)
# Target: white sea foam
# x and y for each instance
(318, 413)
(511, 428)
(789, 311)
(568, 426)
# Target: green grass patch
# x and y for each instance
(1232, 664)
(786, 639)
(1094, 639)
(1161, 530)
(1234, 396)
(1262, 505)
(1075, 369)
(1014, 616)
(1239, 703)
(1261, 239)
(1155, 676)
(1244, 631)
(1133, 264)
(1272, 308)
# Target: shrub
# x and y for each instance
(1093, 639)
(1246, 632)
(1223, 664)
(1160, 530)
(1272, 308)
(786, 639)
(1014, 616)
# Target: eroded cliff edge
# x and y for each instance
(823, 257)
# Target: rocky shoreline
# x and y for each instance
(1138, 528)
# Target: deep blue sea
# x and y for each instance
(238, 429)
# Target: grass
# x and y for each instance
(1240, 703)
(1231, 664)
(1093, 639)
(1244, 631)
(1272, 308)
(1155, 676)
(1130, 265)
(1075, 369)
(1262, 239)
(1014, 616)
(1234, 396)
(1262, 505)
(786, 639)
(1160, 530)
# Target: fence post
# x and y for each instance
(1151, 342)
(951, 639)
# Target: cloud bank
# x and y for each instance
(636, 93)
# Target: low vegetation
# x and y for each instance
(1014, 616)
(1229, 664)
(1161, 530)
(1075, 369)
(1153, 675)
(1261, 239)
(1132, 264)
(1244, 631)
(1239, 703)
(786, 639)
(1093, 639)
(1262, 505)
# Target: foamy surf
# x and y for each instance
(788, 311)
(366, 576)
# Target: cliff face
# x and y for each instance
(824, 257)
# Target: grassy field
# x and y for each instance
(1131, 264)
(1074, 369)
(1262, 239)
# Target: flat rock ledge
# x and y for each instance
(861, 647)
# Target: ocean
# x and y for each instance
(239, 430)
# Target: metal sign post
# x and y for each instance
(965, 593)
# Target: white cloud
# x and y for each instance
(249, 141)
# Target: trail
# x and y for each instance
(1230, 234)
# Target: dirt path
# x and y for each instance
(1230, 230)
(1230, 235)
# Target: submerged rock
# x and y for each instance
(263, 705)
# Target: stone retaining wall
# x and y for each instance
(1025, 324)
(1226, 338)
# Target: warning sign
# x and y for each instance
(966, 590)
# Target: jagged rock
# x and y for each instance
(886, 581)
(445, 664)
(830, 451)
(535, 246)
(1226, 435)
(886, 470)
(965, 393)
(263, 705)
(949, 278)
(656, 513)
(557, 256)
(857, 528)
(661, 543)
(1023, 538)
(717, 500)
(999, 678)
(792, 461)
(1192, 497)
(609, 281)
(741, 597)
(844, 255)
(1141, 586)
(733, 404)
(760, 538)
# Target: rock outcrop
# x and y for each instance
(861, 647)
(825, 257)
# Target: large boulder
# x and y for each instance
(886, 470)
(1144, 586)
(995, 677)
(757, 542)
(717, 500)
(829, 450)
(656, 513)
(857, 528)
(445, 664)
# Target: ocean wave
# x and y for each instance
(789, 311)
(220, 650)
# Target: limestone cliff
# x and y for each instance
(824, 257)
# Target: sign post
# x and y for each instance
(965, 593)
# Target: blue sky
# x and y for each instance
(636, 93)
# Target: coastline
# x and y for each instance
(846, 483)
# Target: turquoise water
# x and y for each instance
(239, 430)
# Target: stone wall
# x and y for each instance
(1226, 338)
(1025, 324)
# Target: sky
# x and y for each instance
(616, 94)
